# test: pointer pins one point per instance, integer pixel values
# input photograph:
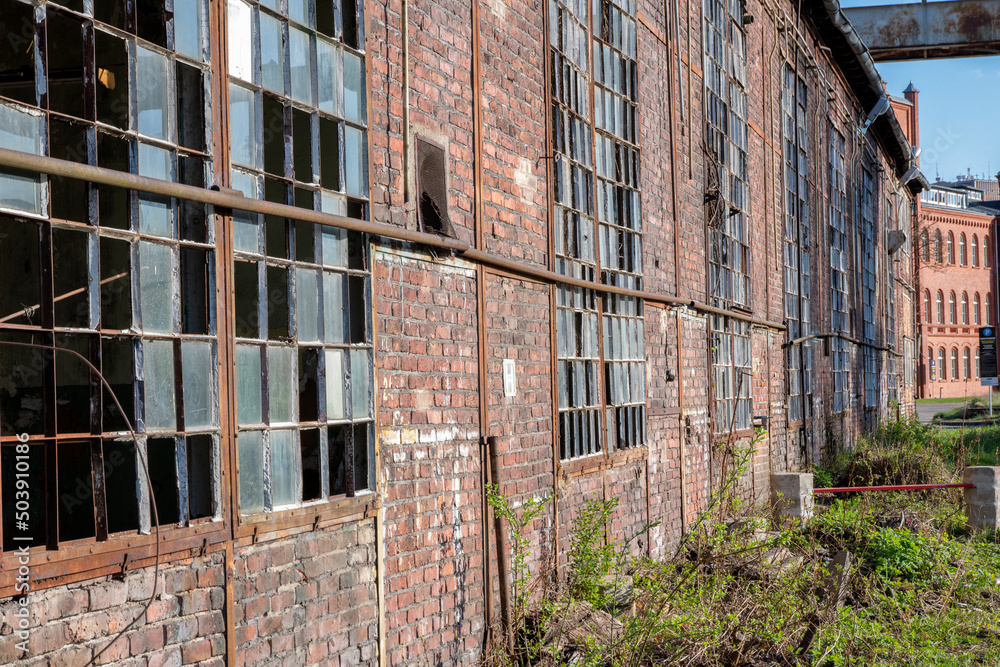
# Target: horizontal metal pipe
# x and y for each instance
(849, 339)
(228, 200)
(897, 487)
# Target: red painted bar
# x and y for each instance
(900, 487)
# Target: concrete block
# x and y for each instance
(791, 497)
(982, 503)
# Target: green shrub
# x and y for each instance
(899, 554)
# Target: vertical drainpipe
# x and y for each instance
(483, 351)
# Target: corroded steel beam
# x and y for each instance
(950, 29)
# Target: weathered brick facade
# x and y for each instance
(407, 574)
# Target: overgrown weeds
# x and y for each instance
(922, 591)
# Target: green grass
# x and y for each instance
(960, 399)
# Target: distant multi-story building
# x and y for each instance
(956, 277)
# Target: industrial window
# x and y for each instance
(961, 249)
(938, 248)
(731, 365)
(975, 309)
(951, 248)
(597, 194)
(727, 198)
(909, 372)
(965, 307)
(868, 285)
(303, 363)
(125, 280)
(975, 250)
(797, 270)
(940, 307)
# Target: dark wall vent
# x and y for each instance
(432, 189)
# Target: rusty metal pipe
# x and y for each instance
(502, 571)
(56, 167)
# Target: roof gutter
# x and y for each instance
(854, 59)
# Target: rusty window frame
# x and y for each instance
(313, 190)
(798, 303)
(839, 283)
(90, 222)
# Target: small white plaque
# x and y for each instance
(509, 378)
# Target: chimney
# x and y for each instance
(912, 96)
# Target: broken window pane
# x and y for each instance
(21, 292)
(239, 30)
(114, 207)
(247, 294)
(329, 65)
(190, 107)
(272, 54)
(150, 21)
(76, 491)
(187, 28)
(17, 51)
(277, 302)
(308, 387)
(360, 384)
(152, 91)
(198, 371)
(156, 294)
(362, 469)
(282, 377)
(326, 18)
(349, 12)
(335, 384)
(301, 65)
(73, 385)
(333, 308)
(311, 468)
(356, 158)
(275, 228)
(191, 215)
(32, 465)
(111, 55)
(20, 131)
(274, 136)
(329, 154)
(117, 368)
(116, 284)
(72, 254)
(196, 278)
(162, 462)
(200, 475)
(307, 304)
(64, 53)
(354, 88)
(305, 240)
(120, 475)
(337, 437)
(302, 146)
(284, 455)
(155, 212)
(159, 388)
(358, 300)
(242, 125)
(251, 466)
(248, 385)
(22, 396)
(68, 141)
(111, 12)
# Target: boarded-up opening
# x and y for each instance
(432, 188)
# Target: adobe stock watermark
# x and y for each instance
(21, 621)
(942, 143)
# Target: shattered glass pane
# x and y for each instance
(158, 375)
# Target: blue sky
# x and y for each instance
(959, 109)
